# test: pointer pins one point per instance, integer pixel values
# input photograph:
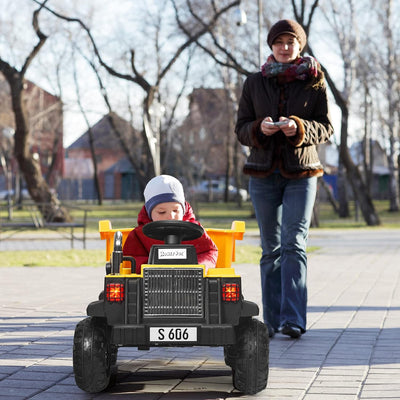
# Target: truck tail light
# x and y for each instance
(115, 292)
(230, 292)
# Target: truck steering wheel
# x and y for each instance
(173, 232)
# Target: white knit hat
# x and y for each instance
(163, 189)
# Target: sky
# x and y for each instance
(17, 40)
(119, 18)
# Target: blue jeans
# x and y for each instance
(283, 210)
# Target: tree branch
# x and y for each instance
(42, 39)
(208, 28)
(194, 38)
(139, 79)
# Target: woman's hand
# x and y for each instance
(286, 125)
(290, 128)
(268, 128)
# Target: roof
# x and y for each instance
(104, 135)
(122, 166)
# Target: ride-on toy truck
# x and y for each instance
(172, 302)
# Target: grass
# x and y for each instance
(245, 254)
(53, 258)
(328, 219)
(95, 258)
(251, 254)
(216, 215)
(220, 215)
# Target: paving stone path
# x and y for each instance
(350, 351)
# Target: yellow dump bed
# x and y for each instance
(225, 240)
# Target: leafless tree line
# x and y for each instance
(191, 43)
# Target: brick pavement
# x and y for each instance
(351, 349)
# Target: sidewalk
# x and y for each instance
(350, 351)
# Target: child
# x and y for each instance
(165, 200)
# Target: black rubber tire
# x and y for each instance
(94, 358)
(249, 357)
(230, 355)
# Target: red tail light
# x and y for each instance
(230, 292)
(115, 292)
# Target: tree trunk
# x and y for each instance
(360, 190)
(353, 174)
(95, 172)
(342, 191)
(392, 99)
(40, 192)
(329, 194)
(393, 179)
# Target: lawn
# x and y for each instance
(216, 215)
(221, 215)
(53, 258)
(94, 258)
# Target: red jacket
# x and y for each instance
(138, 245)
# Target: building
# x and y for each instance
(116, 174)
(207, 134)
(45, 118)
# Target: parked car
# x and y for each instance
(215, 190)
(5, 194)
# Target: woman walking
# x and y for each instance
(282, 117)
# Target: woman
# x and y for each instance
(282, 116)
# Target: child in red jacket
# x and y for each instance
(165, 200)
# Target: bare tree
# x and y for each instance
(367, 142)
(91, 142)
(390, 68)
(218, 43)
(379, 83)
(343, 22)
(208, 26)
(28, 164)
(152, 96)
(304, 16)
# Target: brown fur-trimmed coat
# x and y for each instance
(296, 156)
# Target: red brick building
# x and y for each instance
(45, 118)
(116, 174)
(208, 133)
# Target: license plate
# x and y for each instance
(173, 334)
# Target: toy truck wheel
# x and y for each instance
(249, 357)
(94, 358)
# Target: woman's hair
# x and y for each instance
(318, 81)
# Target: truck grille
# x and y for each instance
(173, 292)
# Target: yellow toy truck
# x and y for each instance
(172, 302)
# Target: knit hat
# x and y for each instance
(163, 189)
(290, 27)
